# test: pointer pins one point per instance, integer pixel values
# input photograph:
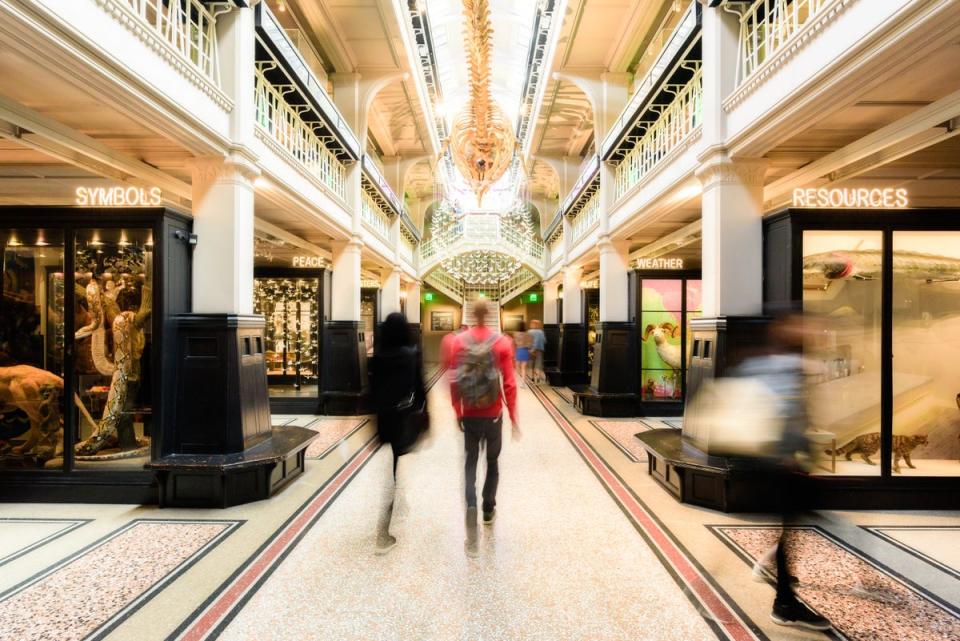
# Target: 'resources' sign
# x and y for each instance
(118, 197)
(862, 198)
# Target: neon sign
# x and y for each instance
(118, 197)
(659, 263)
(307, 261)
(862, 198)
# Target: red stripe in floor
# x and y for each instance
(725, 618)
(267, 559)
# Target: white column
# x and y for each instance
(732, 211)
(222, 188)
(223, 222)
(413, 302)
(236, 45)
(732, 200)
(614, 284)
(550, 294)
(572, 306)
(345, 288)
(390, 292)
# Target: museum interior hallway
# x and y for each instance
(585, 546)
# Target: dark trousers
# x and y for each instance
(475, 430)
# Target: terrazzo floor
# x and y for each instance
(585, 546)
(560, 561)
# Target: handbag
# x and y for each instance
(413, 424)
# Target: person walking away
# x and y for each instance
(782, 370)
(399, 399)
(522, 341)
(484, 380)
(538, 345)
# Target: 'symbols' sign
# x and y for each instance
(314, 262)
(118, 197)
(862, 198)
(658, 263)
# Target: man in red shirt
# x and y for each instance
(485, 422)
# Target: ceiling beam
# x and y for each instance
(920, 129)
(37, 131)
(686, 235)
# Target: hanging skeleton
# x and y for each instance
(481, 140)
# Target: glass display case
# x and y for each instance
(291, 302)
(880, 292)
(666, 303)
(81, 367)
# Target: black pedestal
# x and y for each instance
(613, 381)
(571, 367)
(551, 350)
(222, 414)
(345, 388)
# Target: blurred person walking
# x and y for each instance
(538, 345)
(399, 399)
(484, 380)
(522, 341)
(781, 369)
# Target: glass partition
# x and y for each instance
(32, 341)
(842, 299)
(113, 308)
(926, 353)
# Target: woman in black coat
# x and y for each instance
(399, 396)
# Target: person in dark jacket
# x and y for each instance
(397, 391)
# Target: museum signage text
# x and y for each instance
(862, 198)
(118, 197)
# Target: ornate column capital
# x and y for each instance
(717, 168)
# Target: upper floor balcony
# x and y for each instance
(482, 232)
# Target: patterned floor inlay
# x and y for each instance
(332, 430)
(622, 434)
(864, 601)
(88, 594)
(20, 536)
(220, 608)
(565, 393)
(719, 611)
(934, 544)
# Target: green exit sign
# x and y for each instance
(428, 296)
(534, 297)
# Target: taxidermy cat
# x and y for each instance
(869, 444)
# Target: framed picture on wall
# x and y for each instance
(512, 322)
(441, 321)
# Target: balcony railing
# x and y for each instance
(767, 26)
(407, 249)
(186, 25)
(586, 219)
(676, 122)
(482, 231)
(374, 217)
(502, 292)
(673, 40)
(285, 126)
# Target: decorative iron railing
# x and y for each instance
(284, 124)
(374, 217)
(586, 219)
(186, 25)
(677, 121)
(482, 231)
(407, 249)
(503, 291)
(767, 26)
